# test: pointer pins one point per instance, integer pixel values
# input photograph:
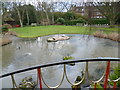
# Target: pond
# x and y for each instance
(23, 53)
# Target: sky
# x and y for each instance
(59, 0)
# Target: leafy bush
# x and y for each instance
(115, 75)
(60, 21)
(69, 16)
(58, 15)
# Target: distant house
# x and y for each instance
(9, 21)
(6, 18)
(90, 11)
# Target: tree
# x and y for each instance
(69, 16)
(45, 8)
(109, 9)
(18, 12)
(29, 16)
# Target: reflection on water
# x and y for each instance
(23, 53)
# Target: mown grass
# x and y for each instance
(52, 29)
(48, 30)
(107, 30)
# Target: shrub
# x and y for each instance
(69, 16)
(58, 15)
(5, 27)
(60, 21)
(115, 75)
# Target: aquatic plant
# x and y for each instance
(68, 58)
(114, 36)
(27, 82)
(115, 75)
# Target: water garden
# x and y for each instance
(58, 53)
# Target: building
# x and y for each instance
(89, 11)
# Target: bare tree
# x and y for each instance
(27, 15)
(43, 6)
(109, 9)
(18, 12)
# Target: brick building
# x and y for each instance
(89, 11)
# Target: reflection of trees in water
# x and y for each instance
(40, 42)
(7, 55)
(53, 73)
(62, 47)
(96, 70)
(65, 48)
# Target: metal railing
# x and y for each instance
(105, 75)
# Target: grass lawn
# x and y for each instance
(52, 29)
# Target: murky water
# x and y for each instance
(23, 53)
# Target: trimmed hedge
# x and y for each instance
(99, 21)
(74, 22)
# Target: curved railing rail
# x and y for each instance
(40, 77)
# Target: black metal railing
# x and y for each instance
(87, 60)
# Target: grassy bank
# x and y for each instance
(48, 30)
(54, 29)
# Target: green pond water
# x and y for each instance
(24, 53)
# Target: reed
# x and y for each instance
(112, 36)
(5, 41)
(100, 34)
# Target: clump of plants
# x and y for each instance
(78, 79)
(68, 58)
(115, 75)
(6, 27)
(112, 36)
(28, 82)
(100, 34)
(97, 86)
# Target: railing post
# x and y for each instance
(114, 87)
(107, 75)
(39, 77)
(87, 79)
(95, 85)
(13, 81)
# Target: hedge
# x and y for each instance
(73, 22)
(99, 21)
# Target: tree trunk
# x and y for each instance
(28, 20)
(53, 18)
(112, 22)
(47, 17)
(20, 19)
(52, 15)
